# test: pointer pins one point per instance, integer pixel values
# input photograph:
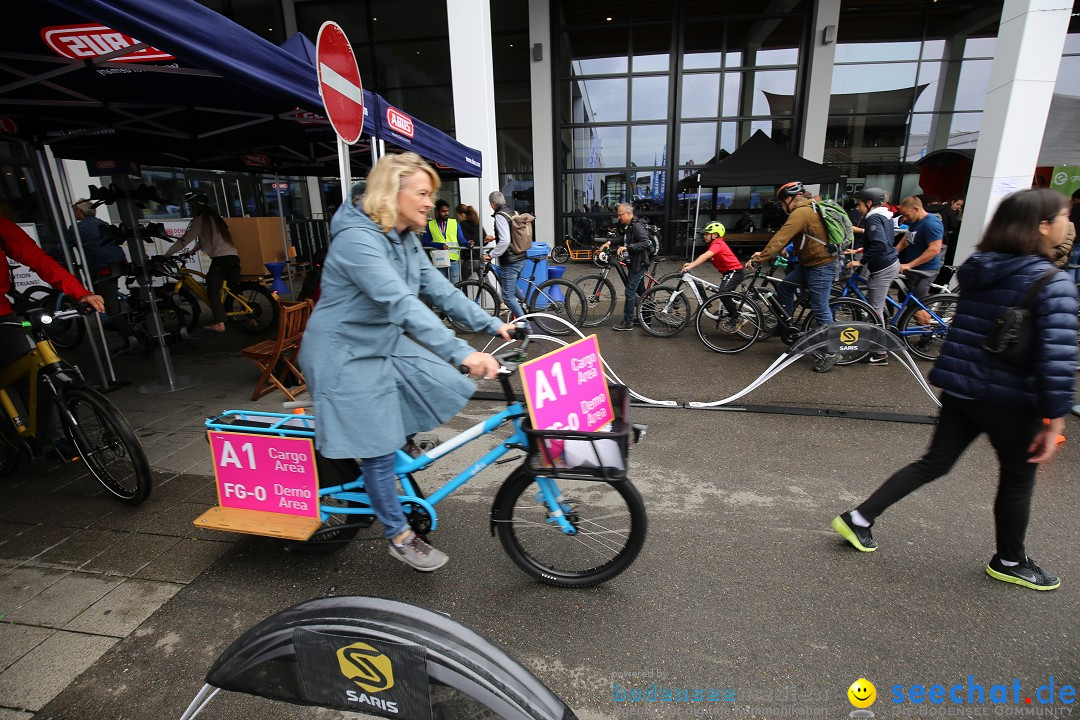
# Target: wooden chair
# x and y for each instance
(277, 358)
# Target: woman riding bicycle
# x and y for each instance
(16, 244)
(371, 385)
(212, 236)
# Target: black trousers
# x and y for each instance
(225, 268)
(960, 422)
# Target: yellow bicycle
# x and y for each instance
(98, 433)
(249, 304)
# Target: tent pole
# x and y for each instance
(344, 169)
(95, 319)
(284, 233)
(47, 177)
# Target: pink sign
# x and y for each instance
(566, 389)
(265, 473)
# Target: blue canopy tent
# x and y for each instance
(169, 82)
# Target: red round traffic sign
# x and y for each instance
(339, 82)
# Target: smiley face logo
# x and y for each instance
(862, 693)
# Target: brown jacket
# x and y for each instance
(802, 221)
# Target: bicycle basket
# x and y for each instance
(600, 455)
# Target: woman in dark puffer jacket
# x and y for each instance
(983, 394)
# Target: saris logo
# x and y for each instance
(371, 670)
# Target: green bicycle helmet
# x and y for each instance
(716, 228)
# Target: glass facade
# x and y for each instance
(635, 116)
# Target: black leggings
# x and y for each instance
(225, 268)
(960, 422)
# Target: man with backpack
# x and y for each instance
(633, 238)
(817, 267)
(510, 261)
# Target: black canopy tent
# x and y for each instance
(758, 161)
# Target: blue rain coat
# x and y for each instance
(371, 384)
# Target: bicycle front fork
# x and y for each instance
(558, 509)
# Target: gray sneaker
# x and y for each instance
(419, 554)
(825, 362)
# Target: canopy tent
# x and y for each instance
(172, 82)
(760, 161)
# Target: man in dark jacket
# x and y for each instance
(634, 240)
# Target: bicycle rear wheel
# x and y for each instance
(479, 293)
(609, 519)
(926, 339)
(559, 254)
(848, 310)
(663, 311)
(562, 299)
(600, 298)
(106, 444)
(723, 331)
(180, 311)
(264, 308)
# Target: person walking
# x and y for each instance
(634, 241)
(510, 263)
(211, 235)
(445, 233)
(879, 255)
(984, 394)
(381, 366)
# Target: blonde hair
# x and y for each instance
(384, 183)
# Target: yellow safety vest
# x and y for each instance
(450, 241)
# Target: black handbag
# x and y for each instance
(1012, 337)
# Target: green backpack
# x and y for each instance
(839, 234)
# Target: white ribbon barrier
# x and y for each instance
(815, 341)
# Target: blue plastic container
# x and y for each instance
(535, 267)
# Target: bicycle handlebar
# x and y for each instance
(508, 361)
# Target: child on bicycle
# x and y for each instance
(725, 262)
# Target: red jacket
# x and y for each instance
(16, 244)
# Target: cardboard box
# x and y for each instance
(258, 241)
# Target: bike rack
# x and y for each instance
(816, 341)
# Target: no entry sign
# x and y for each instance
(339, 82)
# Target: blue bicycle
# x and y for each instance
(575, 526)
(922, 325)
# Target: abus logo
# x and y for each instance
(366, 666)
(399, 121)
(91, 40)
(1060, 178)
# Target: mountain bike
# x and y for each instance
(600, 293)
(730, 322)
(557, 296)
(249, 305)
(99, 434)
(921, 324)
(565, 526)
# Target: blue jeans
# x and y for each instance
(818, 281)
(452, 273)
(509, 274)
(1074, 259)
(380, 483)
(635, 287)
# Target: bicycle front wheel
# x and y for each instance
(609, 524)
(560, 298)
(728, 322)
(264, 308)
(180, 311)
(107, 444)
(600, 298)
(480, 294)
(663, 311)
(925, 336)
